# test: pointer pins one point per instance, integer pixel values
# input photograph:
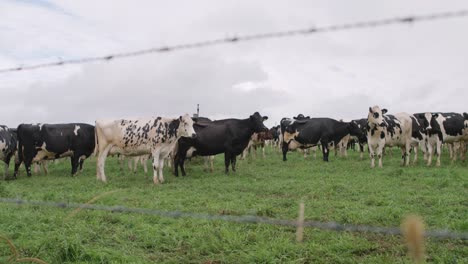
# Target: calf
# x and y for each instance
(306, 133)
(38, 142)
(155, 136)
(8, 146)
(388, 131)
(228, 136)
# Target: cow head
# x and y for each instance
(375, 116)
(354, 129)
(257, 122)
(186, 127)
(301, 117)
(428, 121)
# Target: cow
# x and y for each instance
(308, 132)
(388, 131)
(37, 142)
(445, 128)
(360, 134)
(8, 147)
(418, 136)
(135, 137)
(275, 134)
(283, 124)
(257, 140)
(228, 136)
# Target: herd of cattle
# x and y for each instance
(180, 138)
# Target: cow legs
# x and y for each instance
(155, 166)
(415, 149)
(211, 163)
(325, 150)
(361, 151)
(75, 160)
(161, 167)
(429, 152)
(17, 165)
(179, 160)
(227, 161)
(439, 152)
(7, 166)
(372, 156)
(233, 163)
(144, 162)
(100, 175)
(121, 160)
(5, 172)
(27, 164)
(263, 152)
(379, 155)
(81, 165)
(284, 148)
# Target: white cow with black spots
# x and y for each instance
(388, 131)
(155, 136)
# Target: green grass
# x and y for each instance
(344, 190)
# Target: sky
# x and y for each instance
(404, 68)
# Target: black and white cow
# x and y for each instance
(228, 136)
(136, 137)
(388, 131)
(275, 133)
(309, 132)
(38, 142)
(418, 136)
(443, 128)
(8, 144)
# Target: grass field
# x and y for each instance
(344, 190)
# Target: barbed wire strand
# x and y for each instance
(237, 39)
(249, 219)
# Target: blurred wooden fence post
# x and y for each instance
(300, 223)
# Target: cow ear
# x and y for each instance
(265, 118)
(180, 118)
(435, 115)
(370, 110)
(384, 111)
(308, 117)
(465, 115)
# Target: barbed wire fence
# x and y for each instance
(246, 219)
(244, 38)
(300, 223)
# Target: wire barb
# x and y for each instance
(237, 39)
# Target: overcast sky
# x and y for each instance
(410, 68)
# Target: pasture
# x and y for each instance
(344, 190)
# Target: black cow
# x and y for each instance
(8, 144)
(52, 141)
(228, 136)
(201, 119)
(275, 133)
(306, 133)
